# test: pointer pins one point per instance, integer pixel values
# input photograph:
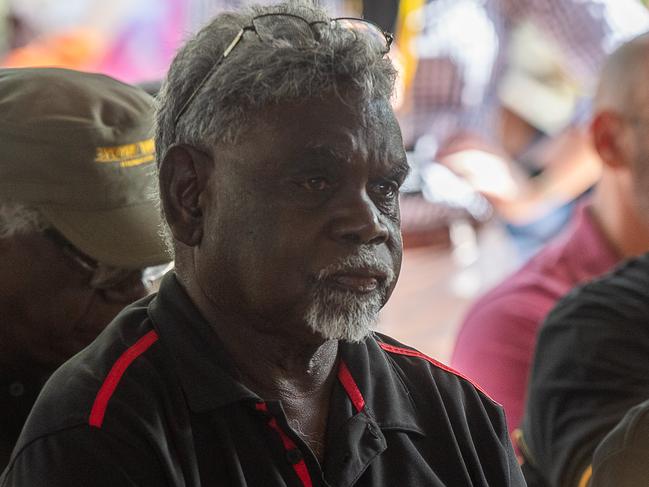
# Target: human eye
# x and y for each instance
(316, 183)
(386, 190)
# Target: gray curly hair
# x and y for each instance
(258, 74)
(18, 219)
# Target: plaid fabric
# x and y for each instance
(461, 48)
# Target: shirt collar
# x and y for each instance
(366, 374)
(591, 253)
(202, 362)
(386, 397)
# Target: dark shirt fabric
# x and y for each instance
(590, 367)
(155, 401)
(18, 391)
(622, 459)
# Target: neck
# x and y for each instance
(279, 361)
(282, 368)
(619, 218)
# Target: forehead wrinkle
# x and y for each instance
(380, 158)
(330, 151)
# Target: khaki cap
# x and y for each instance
(77, 146)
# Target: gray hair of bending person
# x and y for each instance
(18, 219)
(257, 74)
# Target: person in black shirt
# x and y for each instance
(621, 458)
(590, 368)
(280, 162)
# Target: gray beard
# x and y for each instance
(339, 314)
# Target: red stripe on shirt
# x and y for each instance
(350, 386)
(300, 467)
(114, 376)
(439, 365)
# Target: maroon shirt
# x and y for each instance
(495, 344)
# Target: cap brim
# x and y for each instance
(123, 237)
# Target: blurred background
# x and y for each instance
(493, 97)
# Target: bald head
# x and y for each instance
(620, 135)
(622, 84)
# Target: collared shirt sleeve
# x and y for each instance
(80, 457)
(589, 369)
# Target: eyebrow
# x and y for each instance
(401, 169)
(326, 152)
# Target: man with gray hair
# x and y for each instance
(280, 162)
(78, 224)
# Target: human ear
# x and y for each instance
(184, 173)
(609, 138)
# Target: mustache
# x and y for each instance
(364, 260)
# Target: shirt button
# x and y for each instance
(294, 456)
(373, 431)
(16, 389)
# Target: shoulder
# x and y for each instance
(79, 455)
(620, 294)
(418, 368)
(510, 314)
(620, 458)
(587, 328)
(524, 296)
(111, 385)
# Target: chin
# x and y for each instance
(351, 334)
(343, 316)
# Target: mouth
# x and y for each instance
(358, 281)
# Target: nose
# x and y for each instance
(358, 221)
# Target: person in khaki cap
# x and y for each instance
(77, 223)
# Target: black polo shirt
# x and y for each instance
(155, 401)
(591, 366)
(18, 391)
(622, 458)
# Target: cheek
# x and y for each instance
(396, 251)
(640, 179)
(58, 299)
(252, 256)
(45, 316)
(279, 257)
(50, 311)
(45, 290)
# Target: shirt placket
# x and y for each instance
(359, 443)
(294, 447)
